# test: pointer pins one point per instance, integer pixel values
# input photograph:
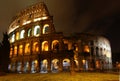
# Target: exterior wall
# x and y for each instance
(52, 51)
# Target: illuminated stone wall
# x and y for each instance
(37, 47)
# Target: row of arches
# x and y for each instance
(56, 65)
(35, 48)
(34, 66)
(35, 31)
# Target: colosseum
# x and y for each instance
(35, 46)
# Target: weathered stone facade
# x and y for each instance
(37, 47)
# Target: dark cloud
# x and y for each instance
(69, 15)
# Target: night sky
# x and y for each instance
(101, 17)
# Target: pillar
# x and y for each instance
(49, 65)
(60, 65)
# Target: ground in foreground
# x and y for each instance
(64, 76)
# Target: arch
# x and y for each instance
(46, 29)
(11, 52)
(44, 65)
(85, 64)
(37, 30)
(13, 38)
(19, 67)
(13, 66)
(75, 46)
(66, 64)
(26, 66)
(35, 47)
(45, 46)
(17, 36)
(54, 65)
(10, 66)
(22, 33)
(15, 50)
(20, 49)
(86, 49)
(29, 32)
(27, 48)
(55, 45)
(76, 64)
(34, 67)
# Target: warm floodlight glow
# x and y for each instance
(13, 37)
(22, 34)
(45, 29)
(21, 49)
(27, 48)
(11, 29)
(35, 47)
(15, 50)
(37, 30)
(45, 46)
(27, 22)
(86, 49)
(37, 19)
(43, 18)
(83, 61)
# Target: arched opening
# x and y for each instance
(22, 34)
(37, 30)
(45, 46)
(35, 47)
(26, 67)
(13, 66)
(86, 51)
(9, 67)
(27, 49)
(54, 65)
(85, 64)
(34, 67)
(75, 47)
(15, 51)
(76, 65)
(44, 65)
(46, 29)
(55, 45)
(17, 36)
(98, 65)
(13, 38)
(66, 65)
(11, 52)
(21, 50)
(29, 32)
(19, 67)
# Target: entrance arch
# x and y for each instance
(85, 64)
(76, 65)
(54, 65)
(34, 66)
(66, 65)
(19, 67)
(26, 66)
(44, 65)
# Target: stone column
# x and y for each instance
(49, 65)
(80, 64)
(30, 64)
(72, 72)
(60, 65)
